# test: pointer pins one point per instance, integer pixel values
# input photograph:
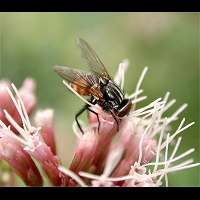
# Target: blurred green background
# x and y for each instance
(32, 43)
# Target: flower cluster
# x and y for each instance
(135, 156)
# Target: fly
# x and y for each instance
(96, 84)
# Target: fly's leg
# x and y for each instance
(77, 115)
(97, 115)
(86, 107)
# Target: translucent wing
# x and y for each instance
(92, 59)
(84, 83)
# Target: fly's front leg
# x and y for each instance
(78, 114)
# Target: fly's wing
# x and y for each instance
(85, 84)
(93, 60)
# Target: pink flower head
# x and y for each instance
(32, 141)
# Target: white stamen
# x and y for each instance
(159, 115)
(166, 165)
(22, 117)
(141, 143)
(140, 82)
(139, 99)
(171, 118)
(136, 112)
(169, 104)
(72, 175)
(155, 116)
(119, 77)
(18, 104)
(135, 94)
(176, 148)
(23, 107)
(96, 177)
(158, 147)
(176, 133)
(90, 176)
(171, 160)
(178, 112)
(14, 124)
(177, 168)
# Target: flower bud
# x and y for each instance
(85, 152)
(44, 119)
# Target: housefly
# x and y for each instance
(97, 85)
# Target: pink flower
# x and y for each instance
(135, 156)
(28, 142)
